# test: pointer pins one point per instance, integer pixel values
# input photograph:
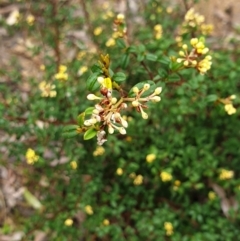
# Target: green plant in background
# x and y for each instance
(168, 171)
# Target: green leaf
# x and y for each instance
(92, 83)
(125, 61)
(119, 77)
(96, 69)
(89, 110)
(151, 57)
(121, 43)
(80, 119)
(132, 49)
(211, 98)
(70, 131)
(165, 60)
(70, 128)
(174, 66)
(174, 77)
(89, 134)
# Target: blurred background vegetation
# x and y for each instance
(174, 176)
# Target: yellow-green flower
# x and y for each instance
(30, 19)
(97, 31)
(168, 228)
(106, 222)
(62, 73)
(99, 151)
(68, 222)
(176, 185)
(165, 176)
(150, 158)
(82, 70)
(226, 174)
(230, 109)
(88, 210)
(211, 195)
(31, 156)
(47, 90)
(111, 42)
(138, 180)
(73, 165)
(119, 171)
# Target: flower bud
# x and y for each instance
(124, 105)
(87, 123)
(114, 100)
(158, 90)
(135, 103)
(100, 79)
(93, 97)
(146, 86)
(184, 46)
(124, 123)
(144, 115)
(110, 129)
(155, 99)
(122, 130)
(135, 90)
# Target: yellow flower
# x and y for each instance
(169, 10)
(211, 195)
(42, 67)
(132, 175)
(62, 75)
(138, 180)
(30, 19)
(158, 31)
(226, 174)
(106, 222)
(176, 185)
(165, 176)
(82, 70)
(97, 31)
(150, 158)
(88, 210)
(31, 156)
(119, 171)
(128, 139)
(168, 228)
(81, 54)
(73, 165)
(13, 18)
(47, 90)
(68, 222)
(111, 42)
(206, 29)
(230, 109)
(99, 151)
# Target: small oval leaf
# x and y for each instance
(89, 134)
(119, 77)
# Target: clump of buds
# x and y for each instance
(195, 57)
(106, 116)
(139, 101)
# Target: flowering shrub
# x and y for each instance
(122, 125)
